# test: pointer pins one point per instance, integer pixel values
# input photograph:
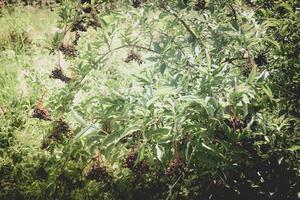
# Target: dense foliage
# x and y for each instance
(162, 100)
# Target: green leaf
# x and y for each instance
(208, 60)
(159, 152)
(187, 150)
(89, 130)
(294, 148)
(152, 59)
(157, 47)
(78, 118)
(218, 70)
(162, 68)
(141, 154)
(268, 91)
(207, 147)
(263, 76)
(252, 75)
(275, 43)
(228, 132)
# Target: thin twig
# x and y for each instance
(181, 21)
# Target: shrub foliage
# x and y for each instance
(167, 100)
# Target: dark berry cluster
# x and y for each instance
(77, 37)
(236, 124)
(45, 144)
(60, 128)
(141, 168)
(78, 26)
(68, 50)
(41, 113)
(131, 163)
(97, 173)
(199, 5)
(175, 167)
(131, 160)
(41, 173)
(260, 60)
(94, 23)
(132, 56)
(86, 1)
(64, 178)
(137, 135)
(136, 3)
(58, 74)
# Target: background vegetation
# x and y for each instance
(149, 99)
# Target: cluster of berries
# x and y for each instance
(131, 163)
(58, 74)
(136, 3)
(98, 171)
(132, 56)
(175, 167)
(78, 26)
(45, 143)
(199, 5)
(236, 124)
(40, 112)
(41, 173)
(260, 60)
(60, 128)
(68, 50)
(131, 160)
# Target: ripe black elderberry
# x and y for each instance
(60, 128)
(45, 144)
(199, 5)
(98, 171)
(132, 56)
(131, 160)
(260, 60)
(68, 50)
(175, 167)
(41, 173)
(58, 74)
(78, 26)
(236, 124)
(136, 3)
(41, 113)
(142, 167)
